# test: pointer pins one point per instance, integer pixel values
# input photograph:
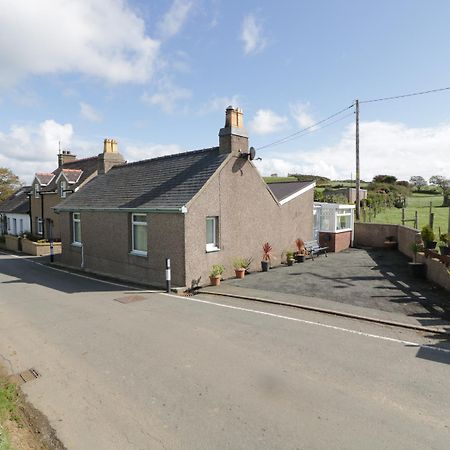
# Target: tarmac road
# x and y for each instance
(206, 373)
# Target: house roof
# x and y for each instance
(163, 183)
(44, 177)
(284, 190)
(17, 203)
(78, 170)
(72, 175)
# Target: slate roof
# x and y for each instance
(72, 175)
(17, 203)
(87, 166)
(166, 182)
(44, 178)
(282, 190)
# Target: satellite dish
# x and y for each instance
(252, 153)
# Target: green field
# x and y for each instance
(421, 204)
(269, 180)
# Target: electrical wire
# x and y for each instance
(315, 129)
(303, 130)
(404, 95)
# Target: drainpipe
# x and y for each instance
(42, 214)
(82, 256)
(29, 213)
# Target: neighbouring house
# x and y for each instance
(349, 193)
(48, 189)
(15, 213)
(197, 208)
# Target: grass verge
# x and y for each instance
(8, 408)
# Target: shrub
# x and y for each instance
(217, 270)
(427, 234)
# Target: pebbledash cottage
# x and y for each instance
(197, 208)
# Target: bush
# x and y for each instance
(217, 270)
(427, 234)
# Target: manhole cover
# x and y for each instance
(24, 377)
(130, 299)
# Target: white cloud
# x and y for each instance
(89, 113)
(167, 96)
(267, 122)
(29, 149)
(252, 35)
(299, 112)
(99, 38)
(175, 18)
(385, 148)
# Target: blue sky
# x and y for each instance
(157, 76)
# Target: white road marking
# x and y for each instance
(309, 322)
(390, 274)
(403, 283)
(24, 258)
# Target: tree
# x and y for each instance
(389, 179)
(418, 182)
(9, 182)
(444, 184)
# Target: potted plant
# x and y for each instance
(247, 262)
(240, 265)
(428, 237)
(418, 270)
(290, 258)
(301, 252)
(444, 244)
(216, 273)
(267, 257)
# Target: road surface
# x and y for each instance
(167, 372)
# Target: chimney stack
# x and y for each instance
(64, 157)
(110, 156)
(233, 136)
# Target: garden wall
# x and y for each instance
(374, 235)
(39, 248)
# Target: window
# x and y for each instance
(14, 226)
(212, 234)
(139, 234)
(62, 189)
(344, 219)
(76, 229)
(39, 225)
(36, 190)
(20, 226)
(8, 224)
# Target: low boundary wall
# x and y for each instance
(374, 235)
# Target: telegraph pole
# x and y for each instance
(357, 160)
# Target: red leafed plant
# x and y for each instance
(267, 252)
(301, 250)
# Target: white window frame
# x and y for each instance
(8, 224)
(62, 189)
(344, 212)
(39, 226)
(138, 223)
(76, 221)
(20, 226)
(36, 190)
(212, 246)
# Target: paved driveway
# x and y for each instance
(376, 280)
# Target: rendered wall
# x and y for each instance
(18, 217)
(106, 238)
(248, 215)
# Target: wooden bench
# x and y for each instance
(314, 249)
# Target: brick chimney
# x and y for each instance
(233, 136)
(110, 156)
(65, 157)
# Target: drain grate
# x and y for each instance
(24, 377)
(130, 299)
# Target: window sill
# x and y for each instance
(212, 249)
(138, 253)
(76, 244)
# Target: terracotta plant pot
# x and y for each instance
(215, 281)
(240, 273)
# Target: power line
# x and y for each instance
(404, 95)
(292, 136)
(313, 130)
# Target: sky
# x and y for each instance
(158, 75)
